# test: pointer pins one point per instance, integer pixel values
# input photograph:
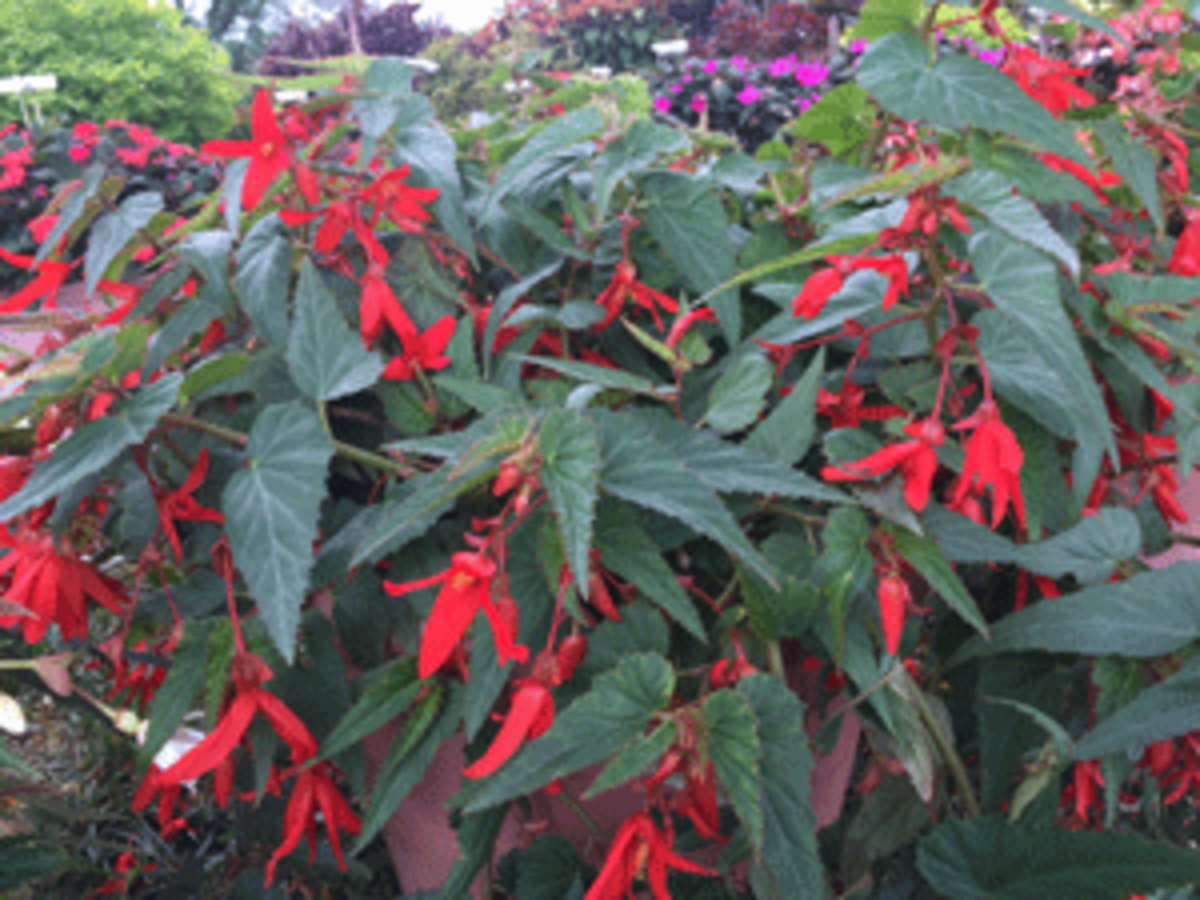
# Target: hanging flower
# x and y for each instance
(916, 460)
(424, 352)
(625, 286)
(402, 204)
(180, 506)
(994, 459)
(640, 848)
(315, 798)
(529, 717)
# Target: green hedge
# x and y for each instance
(118, 59)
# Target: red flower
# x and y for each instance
(1046, 80)
(680, 326)
(816, 292)
(466, 590)
(1185, 259)
(425, 352)
(845, 410)
(994, 458)
(267, 151)
(314, 795)
(625, 286)
(698, 799)
(336, 219)
(895, 600)
(822, 285)
(531, 714)
(1085, 792)
(250, 699)
(916, 460)
(50, 275)
(53, 586)
(180, 506)
(640, 847)
(400, 202)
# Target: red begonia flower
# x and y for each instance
(336, 219)
(466, 591)
(816, 292)
(53, 586)
(49, 276)
(180, 506)
(313, 795)
(267, 151)
(400, 202)
(916, 461)
(625, 286)
(1046, 80)
(994, 458)
(1185, 258)
(531, 714)
(640, 848)
(845, 410)
(425, 352)
(895, 600)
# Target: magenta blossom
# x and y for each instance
(858, 46)
(749, 95)
(699, 104)
(739, 63)
(782, 67)
(710, 67)
(992, 57)
(662, 104)
(811, 74)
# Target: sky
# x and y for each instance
(462, 15)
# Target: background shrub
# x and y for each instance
(118, 59)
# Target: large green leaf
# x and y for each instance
(627, 551)
(632, 152)
(788, 868)
(177, 695)
(1166, 710)
(1023, 285)
(985, 859)
(1135, 164)
(547, 870)
(389, 694)
(326, 358)
(271, 509)
(569, 472)
(635, 758)
(734, 748)
(685, 216)
(740, 394)
(477, 836)
(787, 432)
(614, 712)
(992, 195)
(114, 230)
(264, 268)
(95, 445)
(433, 157)
(1147, 615)
(958, 91)
(544, 152)
(646, 473)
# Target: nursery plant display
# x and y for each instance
(825, 509)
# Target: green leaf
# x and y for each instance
(958, 91)
(431, 724)
(545, 151)
(208, 253)
(477, 836)
(569, 472)
(739, 395)
(787, 433)
(390, 693)
(628, 552)
(325, 356)
(635, 758)
(177, 695)
(1023, 285)
(506, 300)
(1148, 615)
(95, 445)
(992, 195)
(1136, 166)
(114, 230)
(612, 379)
(264, 269)
(211, 373)
(271, 509)
(836, 121)
(646, 473)
(70, 213)
(412, 514)
(927, 558)
(985, 859)
(433, 157)
(547, 870)
(685, 216)
(615, 711)
(878, 18)
(632, 152)
(734, 749)
(1090, 550)
(788, 866)
(1165, 710)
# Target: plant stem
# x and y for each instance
(775, 660)
(958, 769)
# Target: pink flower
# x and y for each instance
(739, 63)
(710, 67)
(782, 67)
(699, 104)
(811, 74)
(662, 104)
(676, 89)
(749, 95)
(79, 154)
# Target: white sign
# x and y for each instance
(21, 83)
